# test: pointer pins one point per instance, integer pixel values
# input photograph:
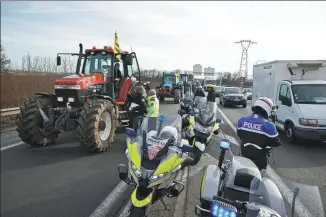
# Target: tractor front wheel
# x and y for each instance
(177, 96)
(96, 125)
(30, 125)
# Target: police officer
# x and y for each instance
(152, 109)
(137, 112)
(257, 134)
(211, 96)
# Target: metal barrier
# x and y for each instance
(9, 111)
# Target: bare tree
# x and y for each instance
(5, 61)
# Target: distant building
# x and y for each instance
(209, 72)
(197, 70)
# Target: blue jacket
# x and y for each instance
(257, 130)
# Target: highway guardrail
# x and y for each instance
(9, 111)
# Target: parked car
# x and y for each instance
(218, 90)
(232, 96)
(248, 93)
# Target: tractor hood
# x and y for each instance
(79, 79)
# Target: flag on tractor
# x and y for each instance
(116, 46)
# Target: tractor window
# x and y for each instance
(169, 79)
(98, 63)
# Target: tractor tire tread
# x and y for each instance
(87, 125)
(28, 123)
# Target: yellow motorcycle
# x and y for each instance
(201, 126)
(155, 156)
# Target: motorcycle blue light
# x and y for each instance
(130, 132)
(162, 118)
(192, 113)
(224, 144)
(217, 210)
(233, 214)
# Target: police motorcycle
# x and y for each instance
(186, 105)
(236, 188)
(155, 156)
(200, 126)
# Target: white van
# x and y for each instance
(298, 88)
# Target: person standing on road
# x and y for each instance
(258, 136)
(152, 109)
(211, 96)
(137, 112)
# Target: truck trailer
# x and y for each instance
(298, 89)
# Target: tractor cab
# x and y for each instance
(100, 71)
(169, 80)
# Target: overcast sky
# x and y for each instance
(169, 35)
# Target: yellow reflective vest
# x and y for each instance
(152, 107)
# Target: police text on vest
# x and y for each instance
(252, 126)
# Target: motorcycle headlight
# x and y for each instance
(157, 177)
(135, 170)
(202, 129)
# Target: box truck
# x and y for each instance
(298, 89)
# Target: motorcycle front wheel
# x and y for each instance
(138, 211)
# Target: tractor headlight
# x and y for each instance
(202, 129)
(71, 99)
(73, 87)
(60, 99)
(135, 170)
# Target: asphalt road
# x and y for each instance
(64, 180)
(61, 179)
(303, 163)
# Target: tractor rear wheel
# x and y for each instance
(96, 125)
(177, 96)
(30, 125)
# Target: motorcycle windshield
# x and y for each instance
(156, 133)
(200, 102)
(207, 113)
(189, 96)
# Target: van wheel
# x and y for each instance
(289, 132)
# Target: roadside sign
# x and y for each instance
(242, 79)
(241, 84)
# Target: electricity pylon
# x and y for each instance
(243, 71)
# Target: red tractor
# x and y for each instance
(85, 101)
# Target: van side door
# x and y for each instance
(284, 104)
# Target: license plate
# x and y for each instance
(236, 99)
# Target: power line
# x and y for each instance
(243, 71)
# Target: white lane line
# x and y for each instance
(227, 120)
(11, 146)
(285, 191)
(105, 207)
(125, 211)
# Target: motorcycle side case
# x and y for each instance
(242, 170)
(210, 183)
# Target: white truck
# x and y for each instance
(298, 89)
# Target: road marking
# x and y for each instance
(227, 120)
(125, 211)
(301, 210)
(11, 146)
(105, 207)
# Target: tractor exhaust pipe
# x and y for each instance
(79, 58)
